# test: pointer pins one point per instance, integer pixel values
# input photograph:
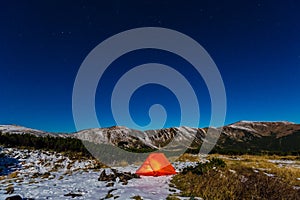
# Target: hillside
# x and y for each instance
(256, 137)
(239, 137)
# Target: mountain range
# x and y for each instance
(242, 136)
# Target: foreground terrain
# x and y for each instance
(40, 174)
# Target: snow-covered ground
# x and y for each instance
(47, 175)
(87, 185)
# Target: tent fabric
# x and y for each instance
(156, 164)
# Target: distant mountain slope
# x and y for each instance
(15, 129)
(261, 129)
(242, 136)
(251, 137)
(117, 136)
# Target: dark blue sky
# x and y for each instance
(255, 44)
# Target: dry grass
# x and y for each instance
(244, 177)
(123, 163)
(188, 157)
(9, 189)
(13, 175)
(287, 173)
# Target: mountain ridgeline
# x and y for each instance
(237, 138)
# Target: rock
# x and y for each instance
(73, 195)
(172, 190)
(46, 175)
(102, 176)
(109, 195)
(107, 177)
(124, 182)
(36, 175)
(138, 197)
(15, 197)
(114, 175)
(111, 184)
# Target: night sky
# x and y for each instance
(255, 44)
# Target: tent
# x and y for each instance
(156, 164)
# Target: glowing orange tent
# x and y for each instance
(156, 164)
